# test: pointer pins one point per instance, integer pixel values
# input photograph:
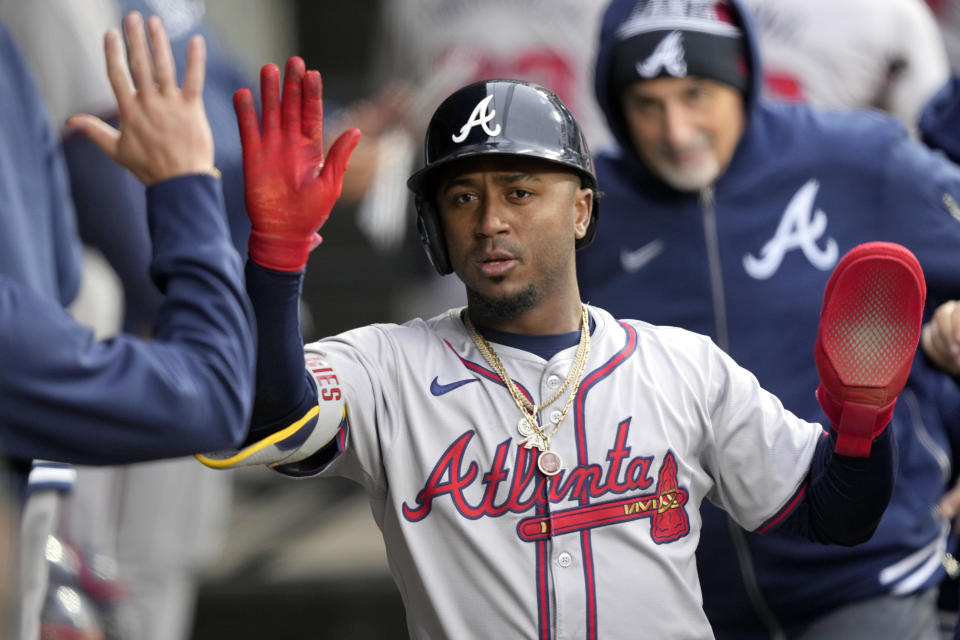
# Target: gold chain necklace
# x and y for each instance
(548, 461)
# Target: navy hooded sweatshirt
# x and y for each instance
(746, 262)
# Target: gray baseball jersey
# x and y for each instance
(482, 544)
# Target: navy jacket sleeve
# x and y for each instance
(67, 397)
(939, 123)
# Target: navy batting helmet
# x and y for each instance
(491, 118)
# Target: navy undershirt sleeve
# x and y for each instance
(846, 496)
(284, 389)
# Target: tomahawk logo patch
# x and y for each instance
(669, 56)
(480, 117)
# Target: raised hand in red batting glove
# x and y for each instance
(290, 189)
(869, 329)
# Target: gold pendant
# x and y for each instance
(525, 428)
(532, 437)
(535, 440)
(549, 463)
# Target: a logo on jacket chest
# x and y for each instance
(512, 484)
(803, 228)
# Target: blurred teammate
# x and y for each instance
(725, 214)
(67, 397)
(38, 249)
(114, 511)
(851, 54)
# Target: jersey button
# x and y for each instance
(564, 559)
(553, 381)
(555, 416)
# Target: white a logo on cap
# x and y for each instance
(668, 55)
(481, 116)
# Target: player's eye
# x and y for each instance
(520, 194)
(460, 199)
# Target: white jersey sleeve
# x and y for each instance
(759, 453)
(364, 360)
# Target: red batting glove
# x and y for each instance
(869, 328)
(289, 189)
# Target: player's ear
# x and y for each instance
(583, 208)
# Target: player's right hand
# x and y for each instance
(290, 189)
(164, 130)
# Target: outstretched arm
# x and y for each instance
(70, 398)
(290, 190)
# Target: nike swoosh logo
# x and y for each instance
(438, 389)
(637, 259)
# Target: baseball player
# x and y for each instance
(535, 465)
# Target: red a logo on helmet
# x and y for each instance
(481, 116)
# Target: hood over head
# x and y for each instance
(646, 39)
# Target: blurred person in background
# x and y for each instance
(939, 128)
(851, 54)
(68, 397)
(947, 14)
(39, 249)
(9, 559)
(162, 521)
(724, 213)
